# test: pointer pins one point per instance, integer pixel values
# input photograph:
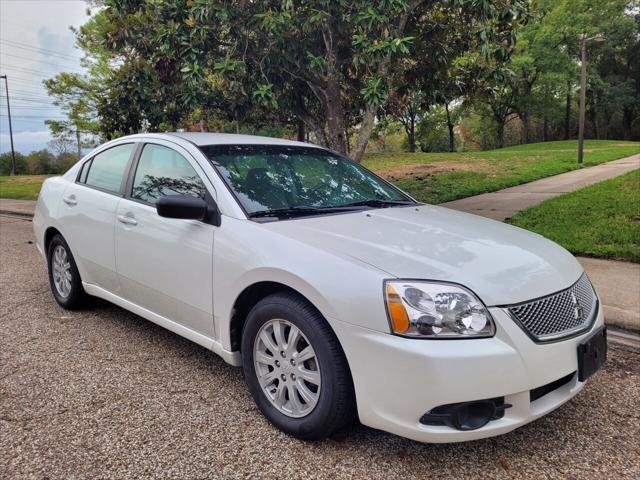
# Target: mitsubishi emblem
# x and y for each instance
(577, 308)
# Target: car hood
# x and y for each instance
(502, 264)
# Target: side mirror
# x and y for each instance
(182, 206)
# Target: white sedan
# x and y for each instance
(339, 295)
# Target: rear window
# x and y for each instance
(107, 169)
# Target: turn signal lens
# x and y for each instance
(397, 312)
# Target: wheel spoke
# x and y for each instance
(278, 334)
(280, 398)
(296, 406)
(292, 341)
(307, 395)
(268, 342)
(309, 375)
(268, 378)
(262, 357)
(306, 354)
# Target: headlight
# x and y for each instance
(436, 310)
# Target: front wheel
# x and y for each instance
(295, 368)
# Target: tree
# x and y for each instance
(39, 162)
(406, 109)
(76, 96)
(5, 163)
(328, 64)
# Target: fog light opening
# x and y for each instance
(466, 416)
(472, 416)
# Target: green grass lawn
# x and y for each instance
(441, 177)
(602, 220)
(24, 187)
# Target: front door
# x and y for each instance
(165, 264)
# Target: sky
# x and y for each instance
(35, 44)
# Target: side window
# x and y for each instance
(107, 168)
(163, 171)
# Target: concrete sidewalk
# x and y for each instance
(505, 203)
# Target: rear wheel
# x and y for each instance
(64, 277)
(295, 368)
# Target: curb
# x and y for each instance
(22, 215)
(624, 338)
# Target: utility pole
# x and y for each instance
(13, 152)
(583, 83)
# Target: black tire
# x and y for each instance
(77, 296)
(335, 409)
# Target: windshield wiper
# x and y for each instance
(281, 212)
(303, 210)
(376, 203)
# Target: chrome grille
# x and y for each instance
(558, 315)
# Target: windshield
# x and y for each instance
(276, 179)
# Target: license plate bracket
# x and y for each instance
(592, 353)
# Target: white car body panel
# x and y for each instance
(186, 276)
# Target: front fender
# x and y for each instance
(340, 287)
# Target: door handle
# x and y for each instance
(127, 220)
(70, 200)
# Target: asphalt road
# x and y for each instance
(103, 393)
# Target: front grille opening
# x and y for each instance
(559, 315)
(540, 392)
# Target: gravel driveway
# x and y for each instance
(103, 393)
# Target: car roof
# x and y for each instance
(204, 138)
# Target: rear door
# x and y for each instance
(165, 264)
(88, 212)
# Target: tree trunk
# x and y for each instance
(301, 134)
(567, 113)
(450, 127)
(526, 127)
(409, 125)
(366, 127)
(411, 136)
(500, 132)
(596, 127)
(335, 117)
(627, 122)
(545, 129)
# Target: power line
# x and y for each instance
(30, 99)
(26, 46)
(35, 60)
(44, 117)
(44, 73)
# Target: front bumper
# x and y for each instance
(397, 380)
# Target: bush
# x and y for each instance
(5, 164)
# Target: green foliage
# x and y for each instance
(600, 221)
(37, 162)
(5, 163)
(433, 135)
(329, 64)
